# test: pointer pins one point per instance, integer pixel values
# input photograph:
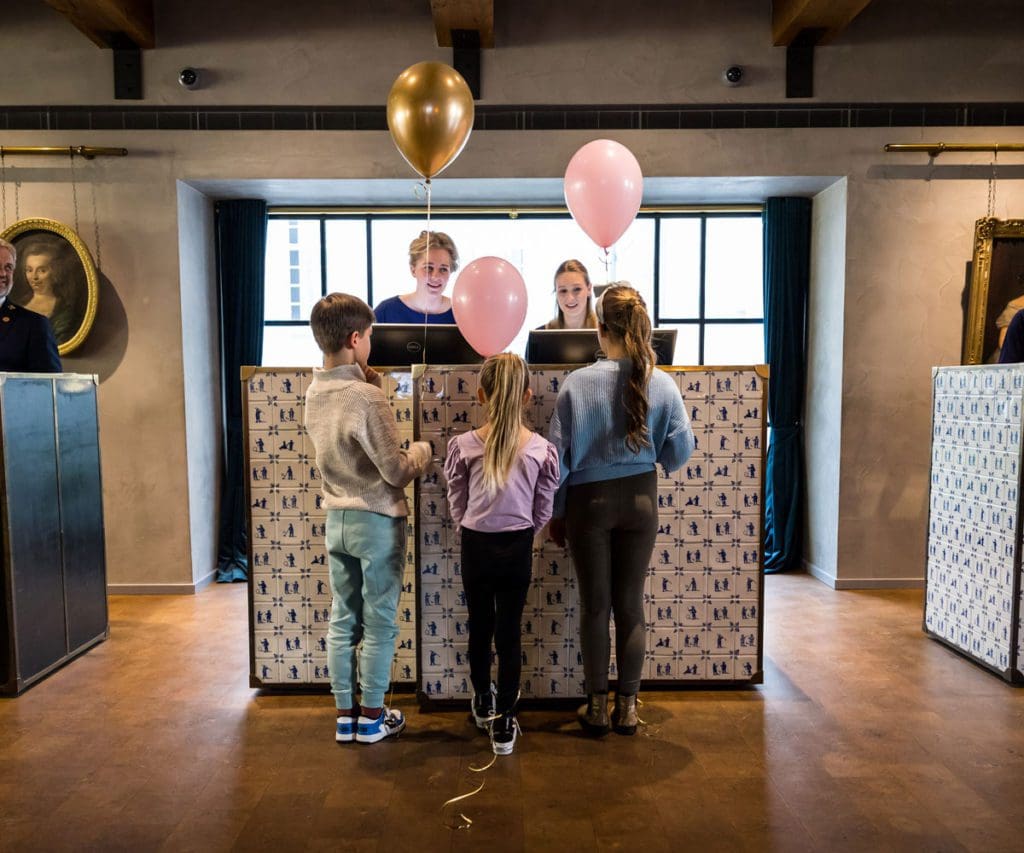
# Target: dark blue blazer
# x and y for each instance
(27, 344)
(1013, 344)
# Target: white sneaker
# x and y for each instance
(390, 722)
(345, 729)
(503, 733)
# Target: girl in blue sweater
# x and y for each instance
(614, 421)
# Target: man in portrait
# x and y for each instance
(27, 343)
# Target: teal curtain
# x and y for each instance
(787, 262)
(241, 234)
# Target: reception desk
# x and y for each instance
(704, 594)
(54, 572)
(289, 586)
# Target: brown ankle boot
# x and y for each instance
(624, 717)
(593, 716)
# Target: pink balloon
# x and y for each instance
(603, 188)
(489, 301)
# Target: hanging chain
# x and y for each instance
(3, 185)
(96, 225)
(992, 187)
(74, 186)
(17, 198)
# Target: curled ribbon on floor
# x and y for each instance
(461, 821)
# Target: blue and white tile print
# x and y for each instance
(289, 572)
(973, 507)
(703, 592)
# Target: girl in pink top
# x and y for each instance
(501, 484)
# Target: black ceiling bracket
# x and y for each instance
(127, 68)
(800, 63)
(466, 58)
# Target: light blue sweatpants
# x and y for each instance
(367, 556)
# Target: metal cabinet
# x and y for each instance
(54, 590)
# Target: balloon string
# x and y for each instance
(460, 820)
(607, 261)
(427, 190)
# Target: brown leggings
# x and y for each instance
(610, 526)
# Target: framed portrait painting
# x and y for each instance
(996, 290)
(55, 276)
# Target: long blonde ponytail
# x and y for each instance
(504, 379)
(622, 311)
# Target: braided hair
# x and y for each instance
(622, 313)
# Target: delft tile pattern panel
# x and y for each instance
(972, 519)
(289, 576)
(703, 594)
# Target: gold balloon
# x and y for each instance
(430, 115)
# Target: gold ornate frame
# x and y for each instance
(27, 226)
(980, 313)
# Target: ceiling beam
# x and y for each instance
(108, 22)
(790, 17)
(451, 15)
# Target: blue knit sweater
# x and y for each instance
(589, 427)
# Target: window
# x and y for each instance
(700, 271)
(710, 287)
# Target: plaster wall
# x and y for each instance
(823, 399)
(907, 240)
(347, 52)
(200, 343)
(908, 227)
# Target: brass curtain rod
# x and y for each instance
(934, 149)
(86, 151)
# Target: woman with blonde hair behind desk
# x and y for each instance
(614, 421)
(432, 259)
(574, 297)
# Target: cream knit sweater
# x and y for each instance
(358, 453)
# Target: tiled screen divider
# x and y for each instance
(973, 572)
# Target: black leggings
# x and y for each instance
(610, 526)
(496, 578)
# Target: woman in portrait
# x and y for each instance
(432, 259)
(44, 283)
(574, 297)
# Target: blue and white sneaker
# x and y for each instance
(390, 722)
(345, 731)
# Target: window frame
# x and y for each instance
(659, 213)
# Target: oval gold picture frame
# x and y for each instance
(19, 234)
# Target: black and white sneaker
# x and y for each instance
(504, 730)
(483, 709)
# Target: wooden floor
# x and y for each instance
(865, 736)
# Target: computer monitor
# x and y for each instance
(580, 346)
(401, 344)
(664, 343)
